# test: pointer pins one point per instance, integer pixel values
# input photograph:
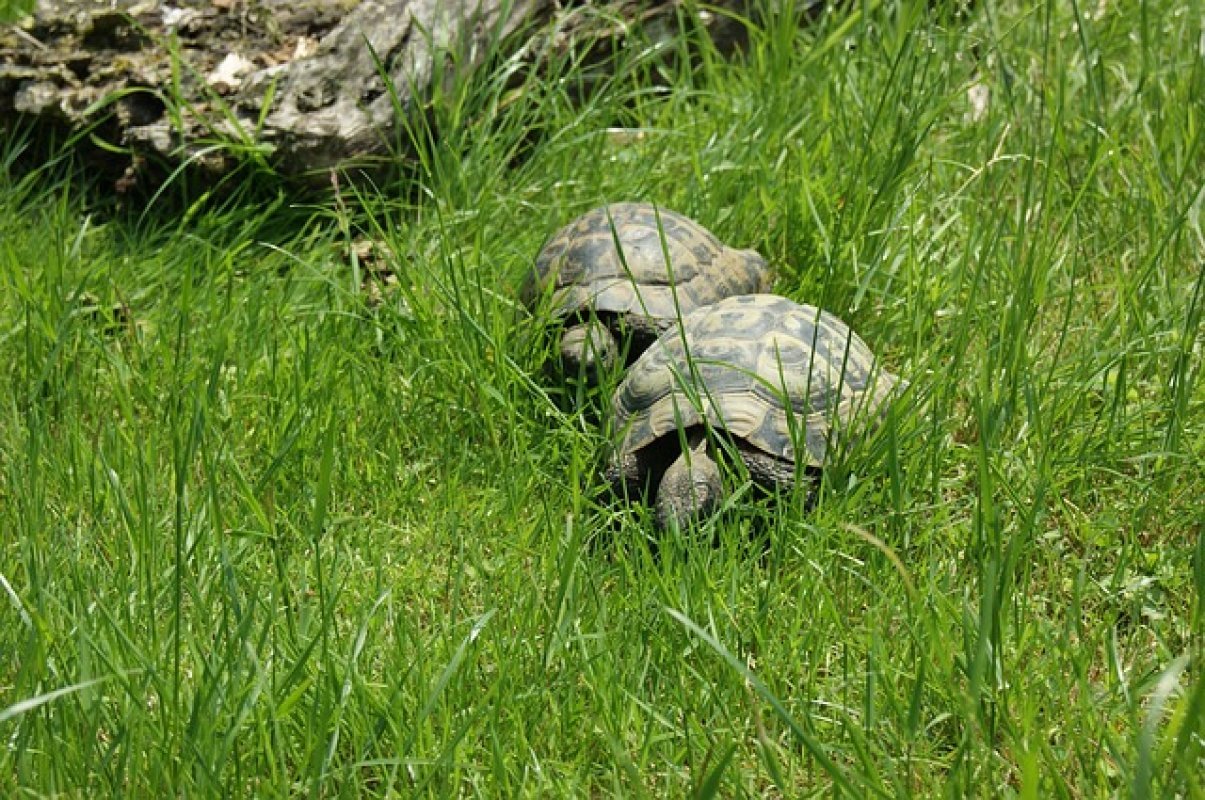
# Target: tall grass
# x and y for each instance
(11, 10)
(266, 535)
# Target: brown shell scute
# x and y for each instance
(614, 259)
(765, 369)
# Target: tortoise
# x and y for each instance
(777, 380)
(613, 289)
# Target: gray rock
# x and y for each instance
(336, 105)
(299, 83)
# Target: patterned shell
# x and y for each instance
(583, 267)
(749, 356)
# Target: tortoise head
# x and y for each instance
(588, 349)
(691, 487)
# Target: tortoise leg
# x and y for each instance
(770, 472)
(625, 475)
(766, 470)
(641, 332)
(588, 349)
(691, 488)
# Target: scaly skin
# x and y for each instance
(691, 488)
(588, 350)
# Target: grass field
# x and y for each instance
(267, 536)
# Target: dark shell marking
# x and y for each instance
(583, 269)
(765, 369)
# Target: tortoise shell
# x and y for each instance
(772, 372)
(612, 260)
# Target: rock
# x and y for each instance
(297, 82)
(334, 106)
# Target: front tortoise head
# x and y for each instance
(691, 488)
(688, 490)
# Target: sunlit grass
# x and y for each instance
(265, 534)
(14, 9)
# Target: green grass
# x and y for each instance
(266, 537)
(11, 10)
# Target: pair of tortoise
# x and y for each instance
(714, 363)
